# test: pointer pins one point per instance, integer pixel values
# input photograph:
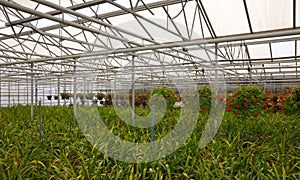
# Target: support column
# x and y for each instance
(18, 92)
(0, 93)
(36, 92)
(132, 89)
(8, 93)
(32, 93)
(58, 91)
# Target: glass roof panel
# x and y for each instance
(298, 48)
(298, 14)
(227, 16)
(270, 14)
(283, 49)
(259, 51)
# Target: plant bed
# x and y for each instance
(244, 148)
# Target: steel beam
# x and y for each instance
(102, 16)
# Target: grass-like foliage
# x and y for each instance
(266, 147)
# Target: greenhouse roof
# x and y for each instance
(253, 40)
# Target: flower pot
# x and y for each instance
(101, 102)
(55, 97)
(49, 97)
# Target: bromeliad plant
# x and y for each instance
(246, 101)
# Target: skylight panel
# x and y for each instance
(259, 51)
(283, 49)
(270, 14)
(227, 16)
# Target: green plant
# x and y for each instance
(293, 101)
(205, 95)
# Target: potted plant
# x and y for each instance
(108, 100)
(100, 96)
(55, 97)
(65, 95)
(89, 96)
(49, 97)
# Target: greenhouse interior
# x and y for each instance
(156, 89)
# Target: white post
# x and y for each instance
(132, 89)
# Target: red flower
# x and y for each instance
(238, 113)
(246, 105)
(228, 103)
(268, 100)
(289, 91)
(237, 106)
(269, 109)
(239, 82)
(229, 109)
(239, 93)
(248, 96)
(137, 99)
(287, 87)
(255, 115)
(265, 105)
(203, 110)
(255, 100)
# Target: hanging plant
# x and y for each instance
(49, 97)
(108, 100)
(100, 96)
(89, 96)
(65, 95)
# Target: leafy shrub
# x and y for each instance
(246, 101)
(275, 102)
(168, 93)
